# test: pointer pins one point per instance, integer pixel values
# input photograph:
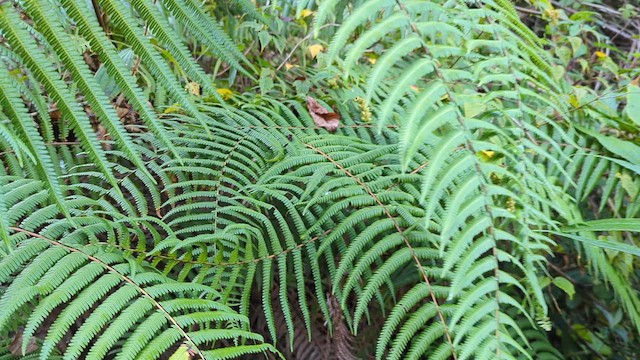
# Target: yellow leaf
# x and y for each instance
(225, 93)
(314, 50)
(288, 66)
(573, 100)
(485, 155)
(305, 13)
(601, 55)
(488, 153)
(173, 108)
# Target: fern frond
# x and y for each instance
(190, 14)
(34, 59)
(13, 106)
(79, 272)
(89, 27)
(73, 62)
(141, 45)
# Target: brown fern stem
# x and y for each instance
(229, 264)
(124, 278)
(421, 269)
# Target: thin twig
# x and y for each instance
(300, 43)
(614, 29)
(134, 71)
(226, 68)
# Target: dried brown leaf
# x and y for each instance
(16, 344)
(322, 116)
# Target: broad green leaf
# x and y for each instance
(604, 244)
(624, 149)
(264, 38)
(565, 285)
(606, 225)
(633, 103)
(266, 80)
(181, 354)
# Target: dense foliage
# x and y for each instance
(386, 179)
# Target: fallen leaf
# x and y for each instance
(92, 60)
(122, 111)
(103, 137)
(127, 114)
(16, 344)
(314, 50)
(321, 116)
(54, 112)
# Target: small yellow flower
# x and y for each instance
(553, 15)
(365, 113)
(314, 50)
(601, 55)
(193, 88)
(305, 13)
(225, 93)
